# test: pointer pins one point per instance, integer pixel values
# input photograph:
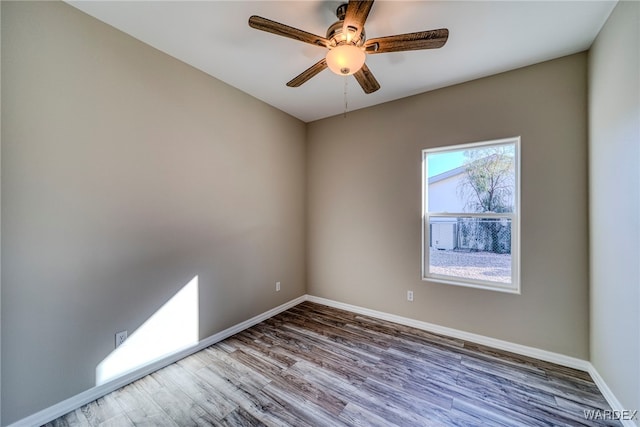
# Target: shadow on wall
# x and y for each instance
(175, 326)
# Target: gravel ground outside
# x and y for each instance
(471, 265)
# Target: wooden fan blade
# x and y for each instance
(368, 83)
(357, 12)
(308, 73)
(411, 41)
(264, 24)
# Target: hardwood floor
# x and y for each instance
(317, 366)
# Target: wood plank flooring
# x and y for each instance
(317, 366)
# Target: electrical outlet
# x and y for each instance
(409, 295)
(277, 286)
(120, 338)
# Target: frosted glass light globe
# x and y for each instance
(345, 59)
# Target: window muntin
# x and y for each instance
(471, 215)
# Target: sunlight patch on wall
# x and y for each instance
(170, 329)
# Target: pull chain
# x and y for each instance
(345, 96)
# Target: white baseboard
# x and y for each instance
(59, 409)
(608, 394)
(523, 350)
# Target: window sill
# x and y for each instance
(510, 288)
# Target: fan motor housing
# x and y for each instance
(337, 37)
(341, 11)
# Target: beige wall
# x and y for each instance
(0, 222)
(614, 156)
(124, 174)
(364, 204)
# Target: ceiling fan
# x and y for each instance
(347, 44)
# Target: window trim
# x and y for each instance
(515, 217)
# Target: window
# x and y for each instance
(471, 209)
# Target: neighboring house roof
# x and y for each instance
(447, 174)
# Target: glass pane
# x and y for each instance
(470, 248)
(472, 180)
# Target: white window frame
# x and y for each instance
(514, 286)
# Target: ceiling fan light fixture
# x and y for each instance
(348, 45)
(345, 59)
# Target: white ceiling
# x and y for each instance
(485, 38)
